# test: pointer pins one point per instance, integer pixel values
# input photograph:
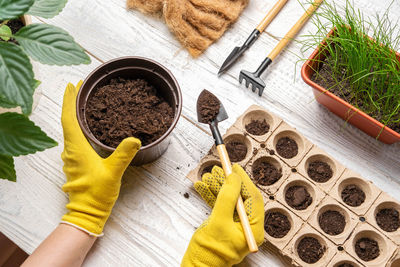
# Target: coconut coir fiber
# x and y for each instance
(310, 250)
(208, 107)
(125, 108)
(196, 23)
(276, 224)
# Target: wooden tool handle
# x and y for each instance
(227, 166)
(271, 15)
(295, 29)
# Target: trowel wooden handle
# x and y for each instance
(295, 29)
(271, 15)
(227, 166)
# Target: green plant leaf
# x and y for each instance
(20, 136)
(5, 33)
(51, 45)
(5, 104)
(10, 9)
(16, 76)
(7, 170)
(47, 8)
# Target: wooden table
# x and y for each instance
(152, 221)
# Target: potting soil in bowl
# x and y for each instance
(124, 108)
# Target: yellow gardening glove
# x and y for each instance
(93, 183)
(220, 240)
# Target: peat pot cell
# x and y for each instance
(342, 259)
(267, 172)
(355, 193)
(206, 164)
(288, 144)
(370, 247)
(321, 169)
(280, 224)
(300, 196)
(395, 260)
(308, 248)
(333, 220)
(384, 215)
(258, 123)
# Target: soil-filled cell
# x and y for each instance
(277, 224)
(298, 197)
(287, 147)
(388, 219)
(353, 195)
(266, 171)
(319, 171)
(237, 150)
(332, 222)
(310, 250)
(367, 249)
(257, 127)
(345, 264)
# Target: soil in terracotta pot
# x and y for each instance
(237, 151)
(209, 169)
(332, 222)
(325, 79)
(125, 108)
(310, 250)
(265, 173)
(388, 219)
(15, 25)
(345, 265)
(367, 249)
(257, 127)
(319, 171)
(353, 195)
(298, 197)
(287, 147)
(208, 106)
(276, 224)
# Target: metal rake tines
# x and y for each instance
(252, 79)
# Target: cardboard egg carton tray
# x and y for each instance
(326, 196)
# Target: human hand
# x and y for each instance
(93, 183)
(220, 240)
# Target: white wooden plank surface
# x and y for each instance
(152, 222)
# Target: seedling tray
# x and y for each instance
(302, 174)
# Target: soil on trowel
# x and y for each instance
(257, 127)
(287, 147)
(264, 173)
(208, 107)
(388, 219)
(298, 197)
(208, 169)
(345, 265)
(332, 222)
(237, 151)
(367, 249)
(276, 224)
(15, 25)
(310, 250)
(353, 195)
(125, 108)
(319, 171)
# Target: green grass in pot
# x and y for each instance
(363, 71)
(44, 43)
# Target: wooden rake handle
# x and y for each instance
(271, 15)
(227, 167)
(295, 29)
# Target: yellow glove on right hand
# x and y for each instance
(220, 240)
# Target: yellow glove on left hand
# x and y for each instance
(93, 183)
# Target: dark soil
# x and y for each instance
(125, 108)
(332, 222)
(265, 173)
(367, 249)
(209, 169)
(287, 147)
(353, 195)
(319, 171)
(208, 107)
(343, 89)
(257, 127)
(310, 250)
(237, 151)
(276, 224)
(15, 25)
(346, 265)
(388, 219)
(298, 197)
(186, 195)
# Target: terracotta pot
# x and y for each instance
(342, 108)
(132, 68)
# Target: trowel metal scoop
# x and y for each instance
(208, 112)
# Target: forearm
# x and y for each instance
(65, 246)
